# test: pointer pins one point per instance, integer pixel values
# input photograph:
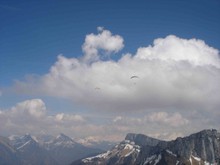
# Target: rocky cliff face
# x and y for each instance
(204, 144)
(199, 148)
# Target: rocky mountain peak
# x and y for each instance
(62, 137)
(20, 141)
(62, 140)
(207, 133)
(141, 139)
(199, 148)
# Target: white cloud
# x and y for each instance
(104, 41)
(100, 28)
(61, 117)
(174, 72)
(34, 108)
(31, 116)
(171, 48)
(174, 77)
(175, 119)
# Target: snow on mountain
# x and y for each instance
(126, 150)
(64, 141)
(30, 151)
(56, 150)
(65, 150)
(44, 138)
(202, 148)
(8, 154)
(21, 141)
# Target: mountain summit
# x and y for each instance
(202, 148)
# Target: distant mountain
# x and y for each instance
(202, 148)
(95, 143)
(64, 150)
(30, 151)
(8, 154)
(44, 138)
(42, 150)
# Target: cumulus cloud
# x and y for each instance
(31, 116)
(172, 73)
(103, 41)
(176, 49)
(170, 84)
(34, 108)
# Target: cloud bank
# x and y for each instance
(171, 73)
(166, 89)
(32, 116)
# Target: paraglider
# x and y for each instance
(97, 88)
(134, 77)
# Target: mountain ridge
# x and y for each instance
(198, 148)
(46, 150)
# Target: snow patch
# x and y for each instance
(190, 159)
(24, 145)
(207, 163)
(35, 139)
(130, 152)
(157, 160)
(128, 146)
(149, 159)
(127, 141)
(196, 158)
(171, 153)
(154, 158)
(104, 155)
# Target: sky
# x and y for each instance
(103, 69)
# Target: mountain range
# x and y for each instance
(43, 150)
(202, 148)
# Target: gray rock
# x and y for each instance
(198, 148)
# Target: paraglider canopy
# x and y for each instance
(134, 77)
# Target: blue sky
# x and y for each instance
(34, 33)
